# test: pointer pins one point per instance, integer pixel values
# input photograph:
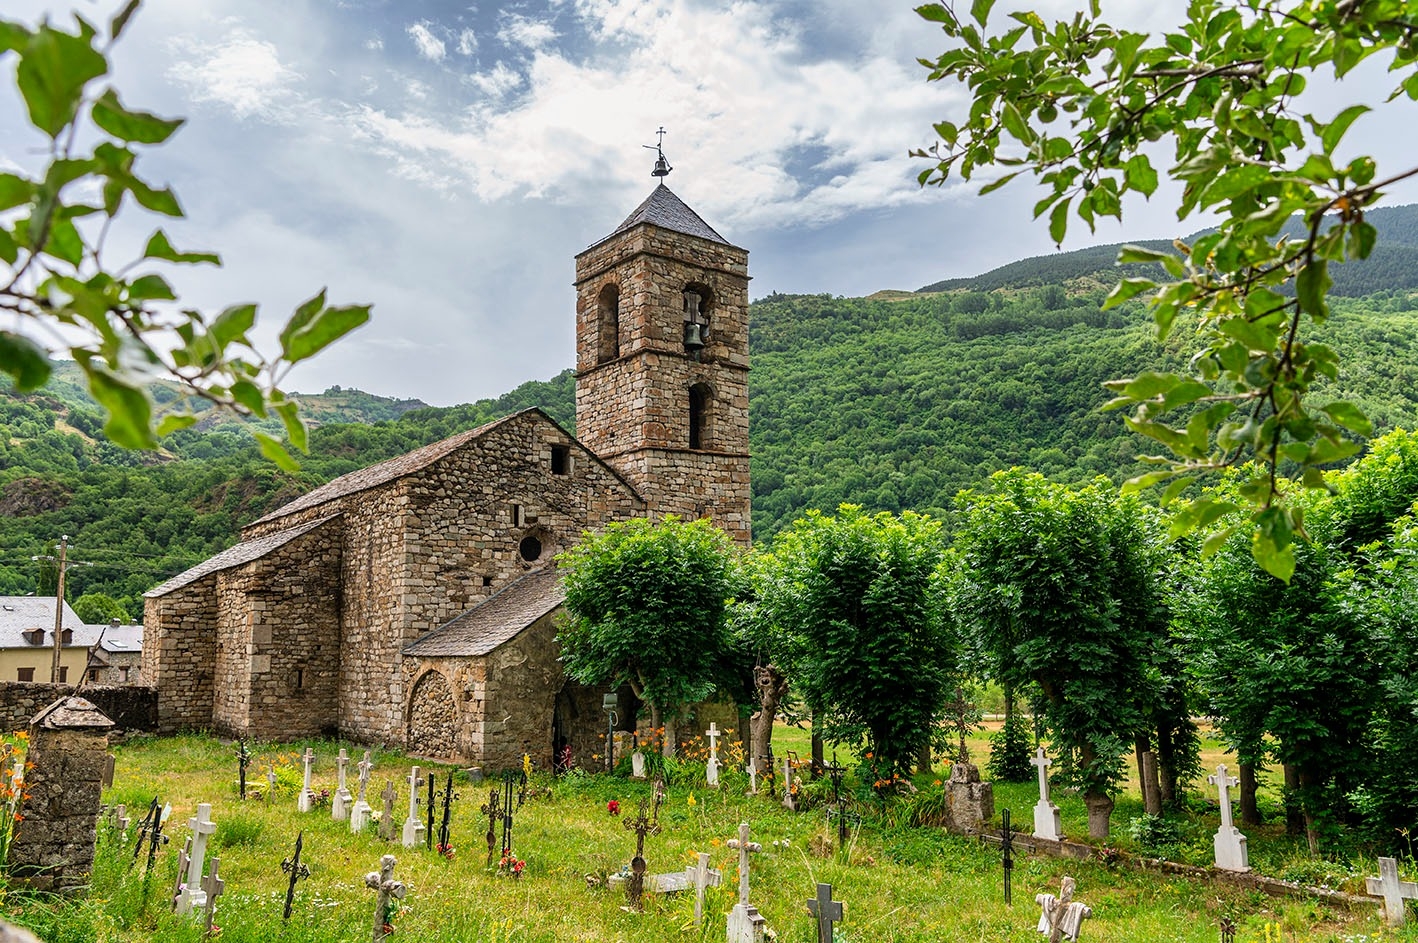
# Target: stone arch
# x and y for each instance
(698, 310)
(432, 717)
(608, 323)
(701, 416)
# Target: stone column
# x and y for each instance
(53, 845)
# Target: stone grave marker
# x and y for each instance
(1047, 824)
(970, 802)
(745, 924)
(271, 784)
(360, 812)
(213, 886)
(637, 765)
(701, 876)
(1062, 916)
(1230, 844)
(192, 897)
(340, 804)
(752, 770)
(297, 870)
(1393, 891)
(307, 796)
(386, 822)
(389, 891)
(412, 826)
(184, 858)
(52, 845)
(826, 910)
(790, 801)
(109, 761)
(428, 808)
(711, 768)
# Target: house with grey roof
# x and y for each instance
(27, 640)
(415, 602)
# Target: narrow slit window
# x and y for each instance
(561, 460)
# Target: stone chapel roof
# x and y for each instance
(497, 620)
(668, 211)
(243, 553)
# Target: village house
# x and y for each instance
(415, 602)
(27, 640)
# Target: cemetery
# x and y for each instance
(596, 856)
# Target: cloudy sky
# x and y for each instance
(446, 159)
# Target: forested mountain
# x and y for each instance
(893, 402)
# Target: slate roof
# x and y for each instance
(19, 614)
(668, 211)
(121, 638)
(243, 553)
(497, 620)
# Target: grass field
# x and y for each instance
(902, 883)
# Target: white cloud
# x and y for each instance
(497, 81)
(243, 73)
(518, 30)
(374, 44)
(467, 43)
(428, 45)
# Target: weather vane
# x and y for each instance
(662, 166)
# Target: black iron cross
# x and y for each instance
(642, 825)
(508, 792)
(768, 772)
(448, 796)
(1228, 930)
(143, 828)
(155, 837)
(296, 870)
(826, 910)
(961, 708)
(243, 758)
(493, 810)
(1006, 840)
(432, 793)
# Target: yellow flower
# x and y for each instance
(690, 800)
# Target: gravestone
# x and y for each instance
(243, 760)
(340, 804)
(642, 825)
(826, 910)
(271, 784)
(386, 821)
(298, 871)
(711, 768)
(184, 858)
(790, 799)
(701, 876)
(1230, 844)
(413, 828)
(637, 765)
(1393, 891)
(360, 812)
(745, 923)
(52, 845)
(109, 760)
(212, 886)
(390, 892)
(192, 897)
(1047, 824)
(307, 796)
(752, 770)
(970, 803)
(1062, 916)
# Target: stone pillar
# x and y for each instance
(53, 845)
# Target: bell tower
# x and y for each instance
(662, 361)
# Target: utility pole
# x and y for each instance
(62, 561)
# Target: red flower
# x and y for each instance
(388, 928)
(613, 807)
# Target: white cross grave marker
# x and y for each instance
(1392, 890)
(701, 876)
(790, 801)
(752, 770)
(192, 896)
(389, 890)
(307, 796)
(340, 804)
(360, 813)
(746, 924)
(413, 828)
(1046, 815)
(213, 886)
(711, 769)
(1230, 844)
(271, 784)
(1062, 916)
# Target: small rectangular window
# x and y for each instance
(93, 675)
(299, 678)
(26, 674)
(123, 675)
(487, 581)
(561, 460)
(518, 518)
(63, 674)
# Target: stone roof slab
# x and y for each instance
(498, 620)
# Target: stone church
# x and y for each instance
(414, 602)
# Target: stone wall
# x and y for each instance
(179, 653)
(131, 708)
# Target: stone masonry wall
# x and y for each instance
(179, 652)
(131, 708)
(278, 659)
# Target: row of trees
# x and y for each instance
(1079, 599)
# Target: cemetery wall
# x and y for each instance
(131, 708)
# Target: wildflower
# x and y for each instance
(613, 807)
(690, 800)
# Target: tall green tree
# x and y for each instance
(65, 295)
(844, 607)
(1060, 587)
(1083, 106)
(647, 606)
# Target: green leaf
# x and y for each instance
(329, 325)
(1216, 540)
(159, 201)
(120, 22)
(1334, 131)
(65, 242)
(1139, 175)
(13, 36)
(1129, 255)
(295, 428)
(1278, 561)
(233, 323)
(159, 248)
(151, 288)
(249, 395)
(1015, 124)
(129, 409)
(25, 361)
(302, 316)
(172, 422)
(935, 13)
(1349, 416)
(54, 68)
(1311, 286)
(1058, 221)
(276, 452)
(996, 184)
(1126, 289)
(136, 126)
(980, 10)
(15, 191)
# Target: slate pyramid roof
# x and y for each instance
(497, 620)
(668, 211)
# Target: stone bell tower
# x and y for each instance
(662, 361)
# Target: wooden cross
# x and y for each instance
(701, 876)
(826, 910)
(390, 891)
(744, 846)
(390, 795)
(213, 886)
(493, 810)
(1392, 890)
(1062, 916)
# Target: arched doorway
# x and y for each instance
(433, 717)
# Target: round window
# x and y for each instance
(530, 548)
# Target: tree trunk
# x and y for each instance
(771, 686)
(1308, 780)
(818, 763)
(1151, 787)
(655, 721)
(1100, 811)
(923, 759)
(1250, 813)
(671, 735)
(1294, 817)
(1140, 745)
(1167, 790)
